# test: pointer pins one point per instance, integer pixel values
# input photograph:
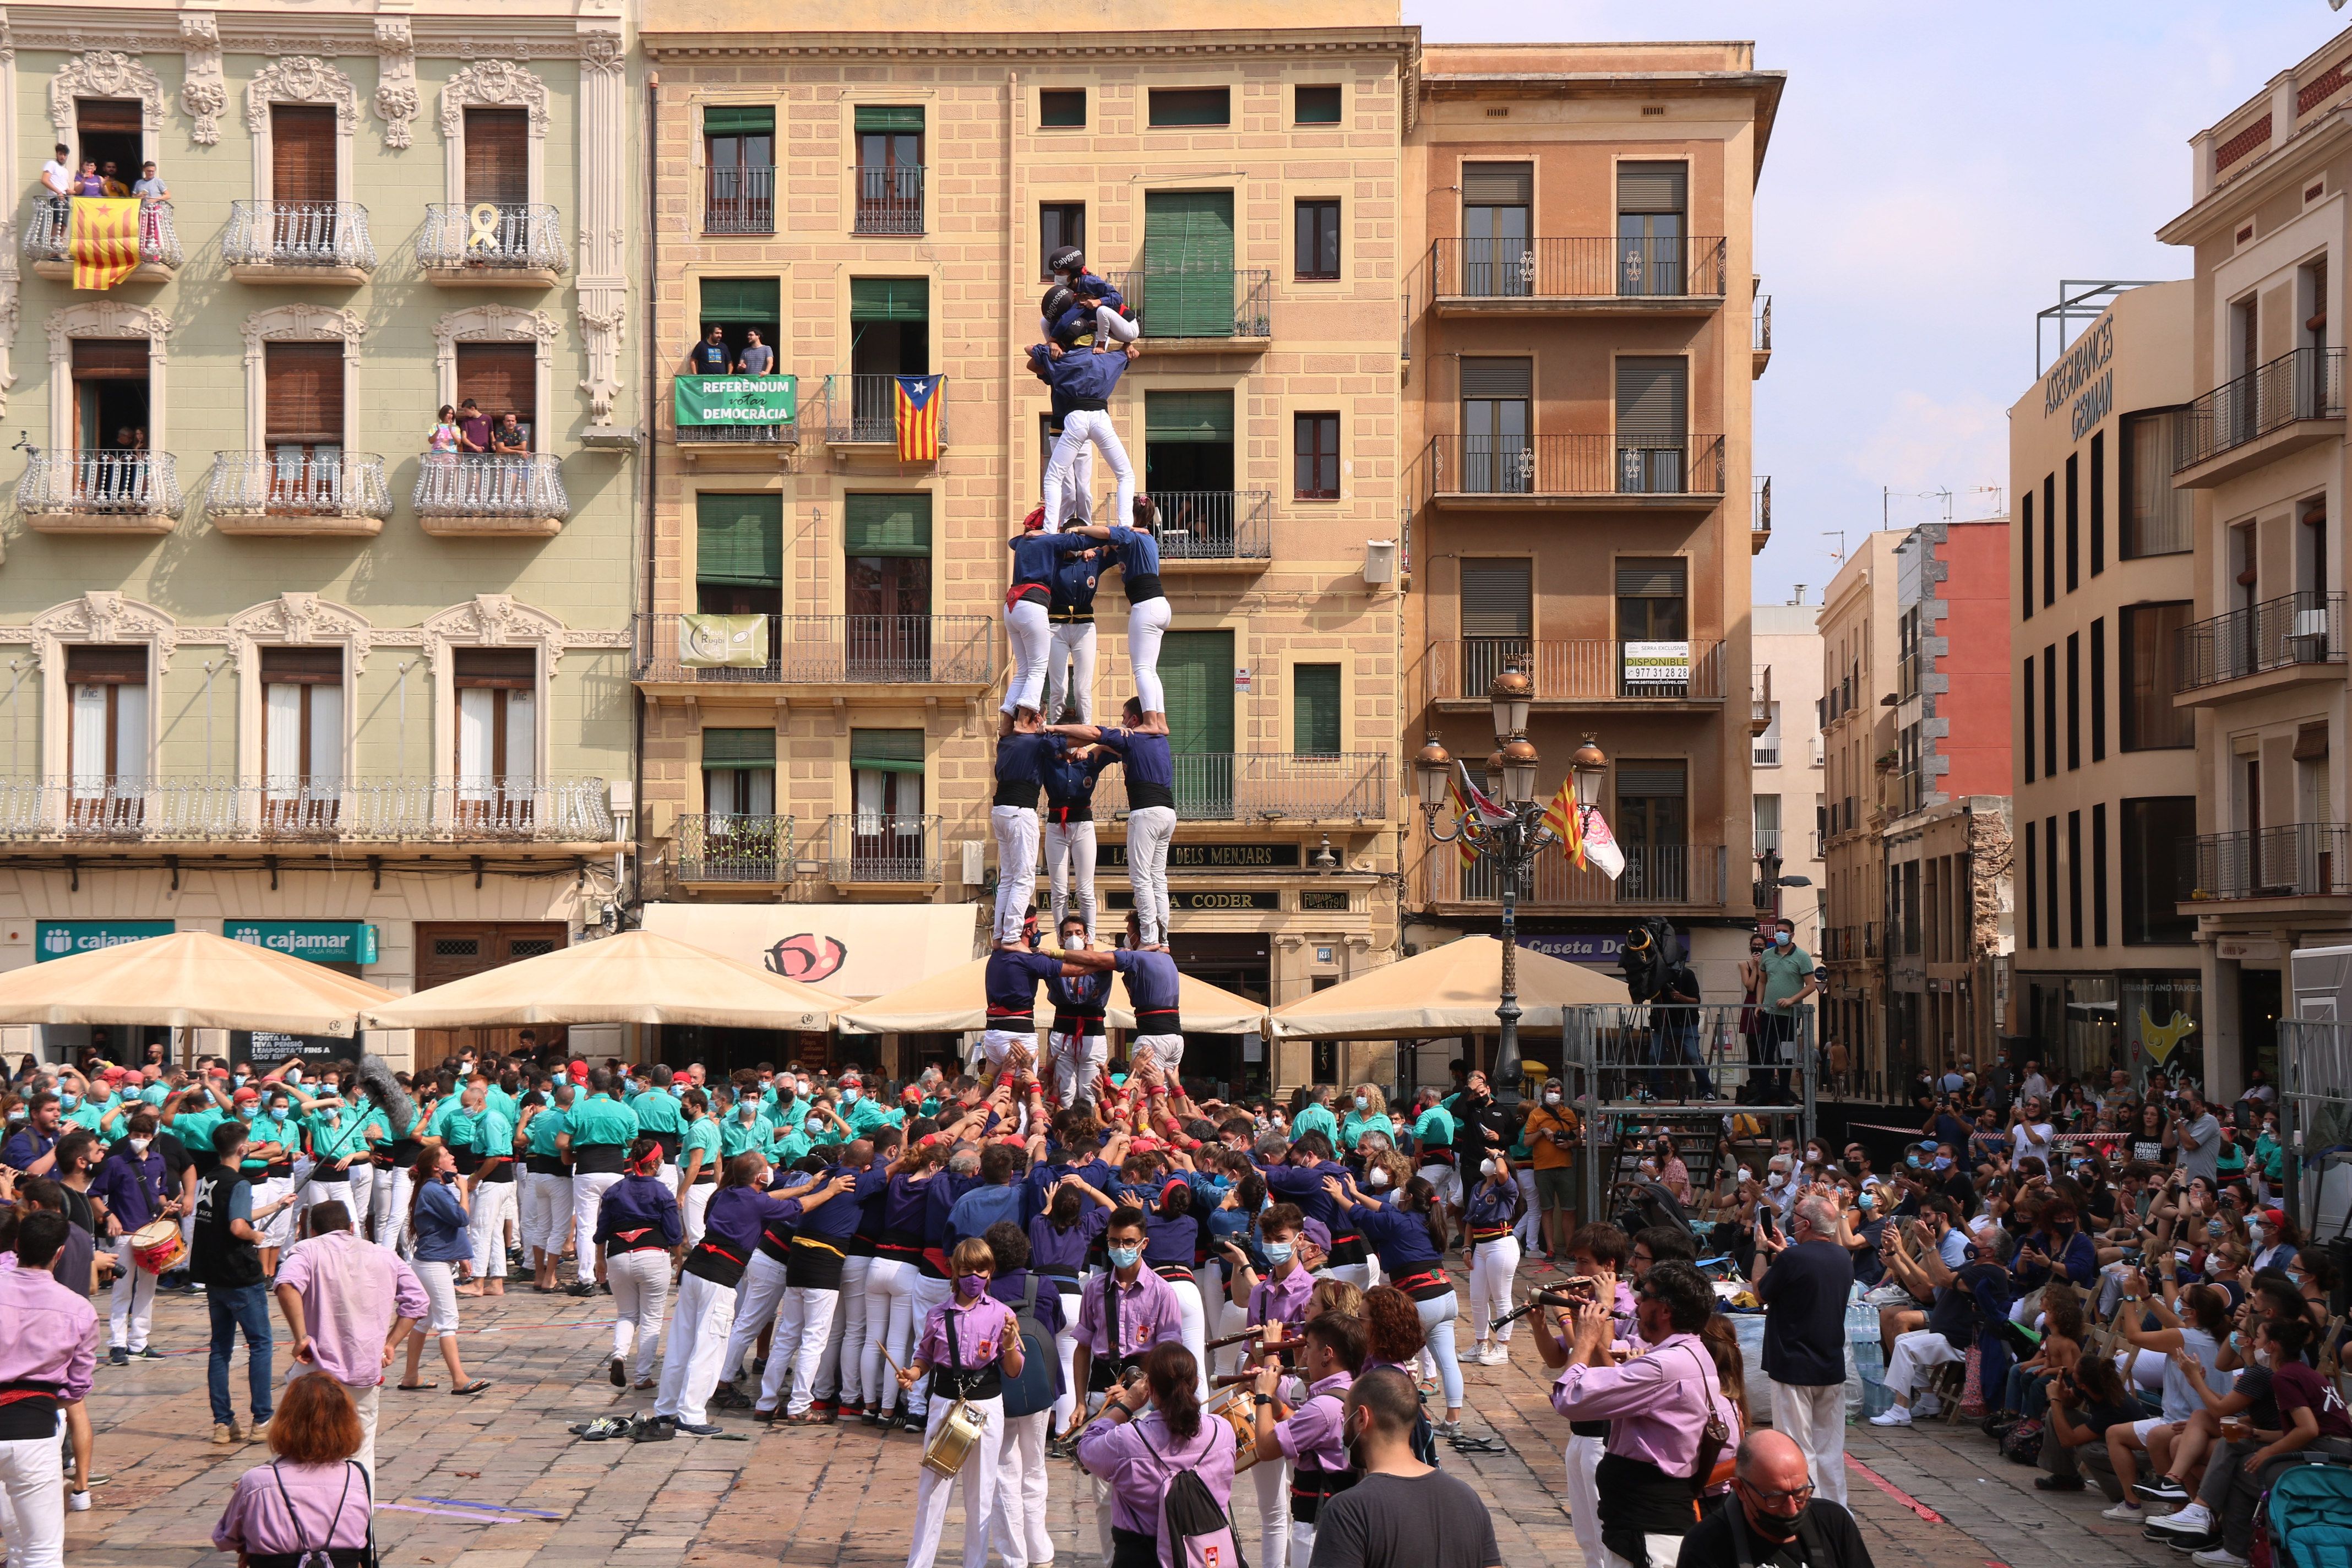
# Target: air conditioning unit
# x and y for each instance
(1380, 562)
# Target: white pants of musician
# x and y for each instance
(1070, 856)
(362, 1175)
(1813, 1416)
(1080, 425)
(976, 1480)
(1193, 1322)
(841, 1374)
(697, 1205)
(640, 1282)
(1019, 1521)
(1914, 1353)
(1437, 1315)
(1584, 1495)
(588, 1191)
(33, 1499)
(1077, 1060)
(1168, 1050)
(1149, 831)
(493, 1206)
(1031, 632)
(1066, 1347)
(804, 1322)
(1070, 672)
(928, 1293)
(1272, 1478)
(890, 1325)
(1493, 1266)
(1147, 623)
(1016, 828)
(691, 1349)
(756, 1300)
(133, 1301)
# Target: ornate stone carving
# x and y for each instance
(107, 319)
(103, 73)
(104, 616)
(492, 82)
(603, 289)
(601, 52)
(300, 79)
(295, 324)
(395, 79)
(494, 620)
(204, 92)
(495, 324)
(299, 620)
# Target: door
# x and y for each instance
(1654, 825)
(1188, 264)
(109, 472)
(1497, 619)
(301, 738)
(889, 336)
(1197, 668)
(1498, 258)
(498, 157)
(887, 841)
(888, 587)
(106, 738)
(302, 426)
(1498, 456)
(496, 761)
(1653, 424)
(2260, 997)
(448, 951)
(1188, 471)
(1651, 607)
(1650, 201)
(739, 563)
(302, 183)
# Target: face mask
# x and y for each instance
(801, 1087)
(1551, 1096)
(1126, 1256)
(1942, 1163)
(972, 1285)
(334, 1118)
(245, 1113)
(293, 1075)
(1866, 1202)
(747, 1110)
(1780, 939)
(1362, 1104)
(1912, 1160)
(68, 1101)
(331, 1086)
(1376, 1179)
(1746, 1175)
(2212, 1265)
(277, 1113)
(1772, 1527)
(139, 1146)
(848, 1097)
(815, 1126)
(2261, 1233)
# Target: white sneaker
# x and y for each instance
(1893, 1415)
(2191, 1519)
(2125, 1513)
(1928, 1404)
(78, 1501)
(2217, 1557)
(1499, 1356)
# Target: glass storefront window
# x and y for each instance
(2162, 1014)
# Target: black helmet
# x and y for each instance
(1067, 261)
(1058, 300)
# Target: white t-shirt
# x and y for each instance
(2031, 1138)
(57, 178)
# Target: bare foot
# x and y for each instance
(467, 1290)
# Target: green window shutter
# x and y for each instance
(889, 298)
(738, 120)
(1315, 702)
(739, 539)
(1188, 417)
(1197, 667)
(1188, 264)
(887, 751)
(891, 117)
(738, 748)
(757, 301)
(888, 524)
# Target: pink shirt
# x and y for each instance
(1656, 1405)
(1282, 1299)
(351, 1291)
(1138, 1458)
(1148, 1314)
(980, 1330)
(331, 1503)
(52, 1338)
(1311, 1435)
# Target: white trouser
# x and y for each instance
(1078, 495)
(976, 1482)
(841, 1375)
(1070, 855)
(1437, 1315)
(133, 1300)
(1813, 1417)
(1077, 1060)
(1015, 827)
(362, 1175)
(1529, 1232)
(1080, 425)
(365, 1401)
(996, 1046)
(1149, 830)
(889, 1324)
(697, 1205)
(493, 1205)
(1584, 1495)
(1493, 1267)
(387, 1204)
(640, 1282)
(1147, 623)
(588, 1190)
(1168, 1051)
(1193, 1322)
(547, 1211)
(1031, 632)
(1302, 1542)
(803, 1321)
(316, 1192)
(278, 1230)
(1066, 1347)
(1271, 1478)
(756, 1300)
(1019, 1520)
(1070, 672)
(1908, 1364)
(928, 1293)
(691, 1349)
(33, 1498)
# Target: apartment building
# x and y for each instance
(1580, 330)
(1858, 623)
(876, 200)
(278, 667)
(2108, 973)
(1787, 766)
(2260, 447)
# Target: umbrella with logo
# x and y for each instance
(193, 980)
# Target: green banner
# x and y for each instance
(321, 941)
(63, 939)
(736, 399)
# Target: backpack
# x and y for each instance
(2022, 1444)
(1195, 1532)
(2305, 1519)
(1032, 1391)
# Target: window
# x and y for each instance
(738, 772)
(1058, 224)
(1498, 610)
(1316, 443)
(886, 551)
(106, 734)
(2050, 539)
(1653, 824)
(2099, 691)
(2156, 517)
(1188, 468)
(2050, 877)
(2025, 556)
(1317, 228)
(2099, 875)
(2073, 520)
(2073, 701)
(496, 761)
(1181, 106)
(302, 423)
(1650, 594)
(890, 168)
(111, 404)
(2075, 878)
(302, 736)
(497, 156)
(2148, 652)
(889, 336)
(1496, 259)
(111, 130)
(1315, 727)
(501, 379)
(2033, 906)
(1496, 458)
(1652, 415)
(2050, 710)
(1189, 287)
(738, 307)
(2157, 834)
(1768, 823)
(1316, 105)
(1765, 753)
(1062, 108)
(738, 554)
(739, 152)
(1651, 197)
(303, 218)
(886, 839)
(2098, 503)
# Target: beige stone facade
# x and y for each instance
(1788, 768)
(1858, 621)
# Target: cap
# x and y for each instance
(246, 1094)
(850, 1080)
(2274, 1217)
(1035, 519)
(911, 1095)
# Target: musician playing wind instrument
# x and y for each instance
(970, 1343)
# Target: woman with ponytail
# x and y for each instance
(1138, 1452)
(1410, 1237)
(638, 1222)
(437, 1215)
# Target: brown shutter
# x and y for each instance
(109, 117)
(499, 377)
(301, 666)
(304, 403)
(498, 155)
(302, 152)
(512, 668)
(109, 359)
(105, 664)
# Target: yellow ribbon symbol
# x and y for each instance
(483, 217)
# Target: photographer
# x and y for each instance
(2083, 1404)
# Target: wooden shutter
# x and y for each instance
(510, 668)
(497, 156)
(1498, 598)
(301, 666)
(887, 751)
(1651, 401)
(105, 664)
(1315, 708)
(1187, 263)
(109, 359)
(900, 118)
(738, 748)
(894, 524)
(302, 152)
(739, 539)
(1197, 667)
(109, 117)
(739, 119)
(1188, 417)
(1497, 184)
(303, 394)
(889, 299)
(1660, 579)
(745, 301)
(1498, 377)
(1651, 780)
(499, 377)
(1648, 187)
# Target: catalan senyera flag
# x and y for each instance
(1461, 845)
(1566, 822)
(920, 402)
(102, 238)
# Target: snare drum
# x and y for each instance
(157, 1247)
(961, 1429)
(1237, 1409)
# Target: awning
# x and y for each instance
(955, 1001)
(189, 979)
(848, 950)
(1448, 990)
(634, 977)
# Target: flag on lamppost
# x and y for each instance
(1463, 846)
(1600, 845)
(1565, 821)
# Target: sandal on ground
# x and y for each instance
(604, 1428)
(476, 1387)
(415, 1387)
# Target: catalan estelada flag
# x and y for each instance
(102, 238)
(922, 402)
(1566, 822)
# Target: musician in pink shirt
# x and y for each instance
(46, 1360)
(1139, 1451)
(966, 1339)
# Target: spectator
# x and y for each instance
(226, 1260)
(312, 1498)
(508, 437)
(1401, 1514)
(758, 359)
(2084, 1405)
(1551, 1133)
(348, 1303)
(442, 443)
(709, 357)
(1786, 971)
(473, 427)
(2200, 1136)
(1773, 1507)
(149, 186)
(1953, 1320)
(110, 181)
(1804, 1283)
(56, 174)
(90, 182)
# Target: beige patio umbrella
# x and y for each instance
(1449, 990)
(634, 977)
(1209, 1009)
(191, 980)
(953, 1001)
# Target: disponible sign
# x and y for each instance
(321, 941)
(735, 399)
(1657, 664)
(63, 939)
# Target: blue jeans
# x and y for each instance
(2027, 1392)
(246, 1306)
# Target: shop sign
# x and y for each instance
(735, 399)
(1577, 947)
(63, 939)
(1200, 900)
(321, 941)
(268, 1050)
(1318, 902)
(1208, 857)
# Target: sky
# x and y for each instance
(1929, 180)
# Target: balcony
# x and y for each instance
(1514, 471)
(1593, 673)
(292, 493)
(2293, 641)
(1759, 335)
(865, 849)
(1184, 310)
(297, 242)
(492, 244)
(718, 419)
(851, 651)
(717, 848)
(1267, 787)
(890, 200)
(48, 229)
(205, 809)
(862, 411)
(2293, 402)
(739, 199)
(466, 495)
(1687, 876)
(2300, 860)
(1848, 944)
(1205, 529)
(1587, 275)
(1760, 522)
(99, 491)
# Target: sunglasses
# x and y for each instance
(1769, 1498)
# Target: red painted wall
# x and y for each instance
(1976, 631)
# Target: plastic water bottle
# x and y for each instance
(1868, 1360)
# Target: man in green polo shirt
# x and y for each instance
(598, 1140)
(657, 1114)
(1788, 971)
(1316, 1118)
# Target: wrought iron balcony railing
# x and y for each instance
(1579, 671)
(104, 481)
(868, 846)
(1594, 266)
(1689, 874)
(1760, 519)
(2297, 860)
(2302, 384)
(1212, 525)
(298, 234)
(739, 199)
(1569, 466)
(1760, 329)
(49, 230)
(291, 482)
(2299, 628)
(734, 849)
(863, 410)
(890, 199)
(817, 650)
(220, 809)
(1182, 302)
(488, 484)
(1252, 786)
(460, 237)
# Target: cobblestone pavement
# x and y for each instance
(497, 1481)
